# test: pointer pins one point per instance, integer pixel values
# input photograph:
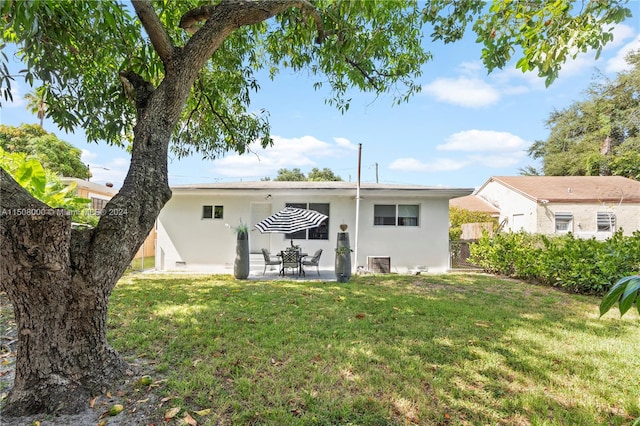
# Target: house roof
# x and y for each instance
(90, 186)
(475, 204)
(572, 189)
(338, 188)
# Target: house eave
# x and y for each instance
(346, 189)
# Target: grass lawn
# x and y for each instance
(384, 350)
(140, 263)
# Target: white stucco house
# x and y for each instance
(587, 206)
(407, 225)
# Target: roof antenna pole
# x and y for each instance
(355, 243)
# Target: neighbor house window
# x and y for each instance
(212, 212)
(319, 233)
(606, 222)
(396, 215)
(564, 222)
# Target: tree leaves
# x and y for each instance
(624, 292)
(42, 184)
(597, 135)
(546, 34)
(77, 50)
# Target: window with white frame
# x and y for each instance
(564, 222)
(212, 212)
(396, 214)
(318, 233)
(606, 221)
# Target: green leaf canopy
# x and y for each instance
(80, 50)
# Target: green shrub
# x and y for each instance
(585, 266)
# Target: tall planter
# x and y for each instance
(241, 264)
(343, 258)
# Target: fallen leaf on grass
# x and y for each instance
(360, 315)
(190, 420)
(171, 413)
(204, 412)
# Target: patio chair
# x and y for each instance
(290, 260)
(314, 261)
(268, 261)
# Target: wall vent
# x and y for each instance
(380, 264)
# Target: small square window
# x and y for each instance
(564, 222)
(408, 215)
(218, 212)
(212, 212)
(606, 222)
(384, 214)
(207, 212)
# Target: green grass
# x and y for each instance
(390, 350)
(137, 265)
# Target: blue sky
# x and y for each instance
(464, 127)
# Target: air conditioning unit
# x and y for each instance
(380, 264)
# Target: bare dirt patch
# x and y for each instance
(142, 401)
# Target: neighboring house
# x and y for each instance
(475, 204)
(100, 196)
(587, 206)
(405, 225)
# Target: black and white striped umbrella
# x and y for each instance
(290, 220)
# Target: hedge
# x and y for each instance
(585, 266)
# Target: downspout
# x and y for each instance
(355, 242)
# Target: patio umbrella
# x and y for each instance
(290, 220)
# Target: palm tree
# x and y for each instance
(37, 102)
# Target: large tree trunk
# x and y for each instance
(63, 356)
(59, 280)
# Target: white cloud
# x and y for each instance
(88, 156)
(618, 62)
(621, 33)
(484, 148)
(463, 91)
(482, 140)
(472, 68)
(287, 153)
(346, 143)
(509, 159)
(439, 165)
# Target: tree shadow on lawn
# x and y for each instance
(460, 349)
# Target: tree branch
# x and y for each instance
(217, 114)
(250, 12)
(366, 75)
(15, 199)
(152, 25)
(136, 88)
